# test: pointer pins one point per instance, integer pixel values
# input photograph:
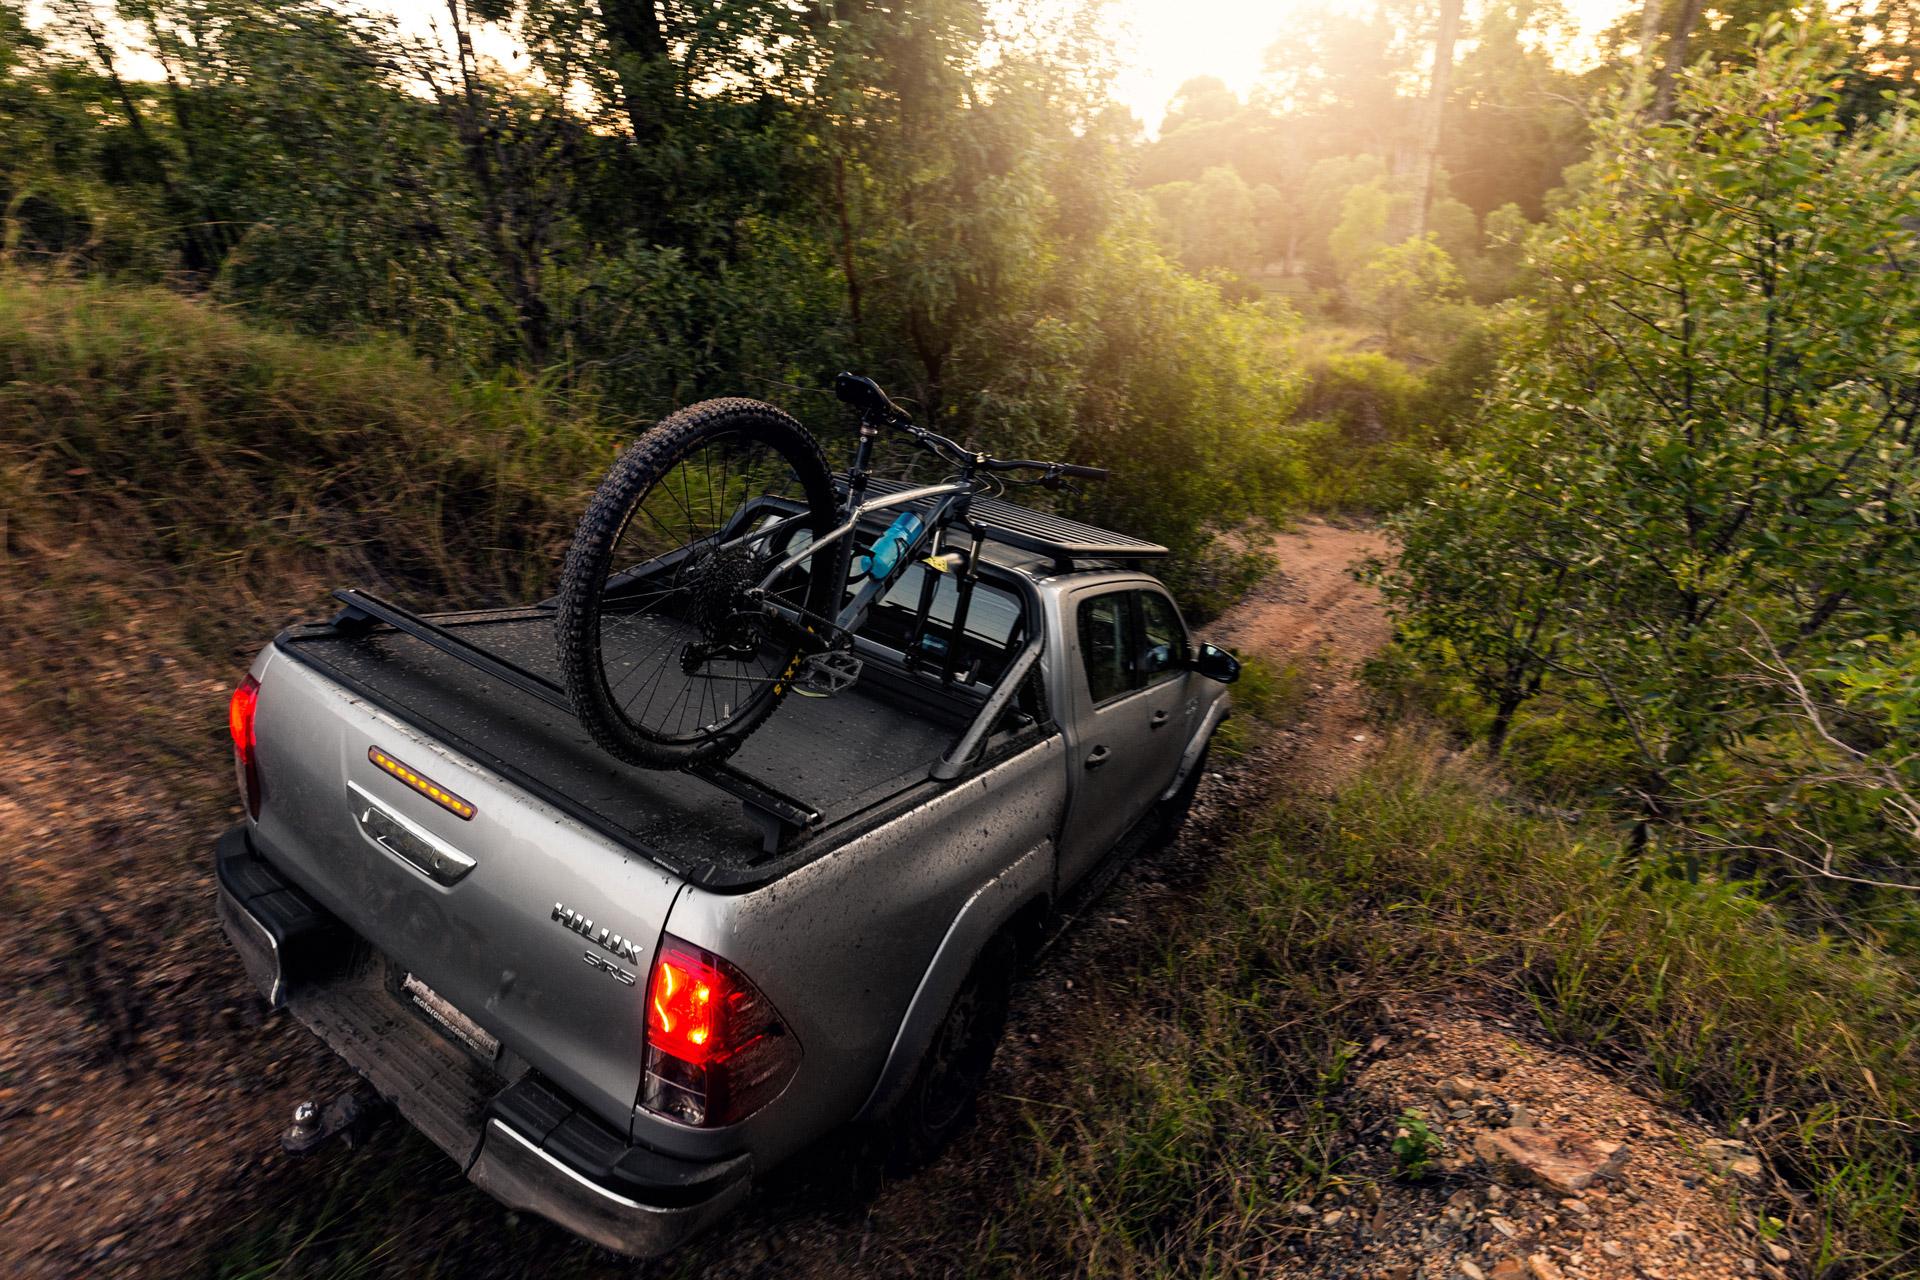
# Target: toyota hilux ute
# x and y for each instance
(616, 995)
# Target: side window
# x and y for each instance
(1106, 645)
(1165, 652)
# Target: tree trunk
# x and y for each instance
(848, 268)
(1663, 88)
(519, 263)
(639, 44)
(1503, 713)
(1650, 14)
(1443, 39)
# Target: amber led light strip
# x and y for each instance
(427, 787)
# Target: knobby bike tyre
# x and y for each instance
(684, 591)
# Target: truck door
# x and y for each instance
(1131, 723)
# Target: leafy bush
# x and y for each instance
(1405, 286)
(1369, 398)
(1701, 446)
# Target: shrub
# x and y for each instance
(1701, 443)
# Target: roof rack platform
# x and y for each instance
(1062, 540)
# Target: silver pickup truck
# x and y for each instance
(615, 995)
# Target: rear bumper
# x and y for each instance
(524, 1142)
(516, 1171)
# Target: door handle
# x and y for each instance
(1159, 718)
(1098, 756)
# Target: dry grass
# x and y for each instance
(176, 484)
(1213, 1067)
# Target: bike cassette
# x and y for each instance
(825, 674)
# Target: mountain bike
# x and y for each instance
(718, 568)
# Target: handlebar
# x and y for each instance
(1073, 469)
(874, 405)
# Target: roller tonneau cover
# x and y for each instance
(856, 757)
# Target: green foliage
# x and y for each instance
(1211, 223)
(68, 185)
(1403, 285)
(1361, 233)
(747, 204)
(1343, 93)
(1372, 431)
(1421, 864)
(1415, 1145)
(1701, 451)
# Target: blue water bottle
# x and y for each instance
(891, 545)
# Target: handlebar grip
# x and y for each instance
(1083, 473)
(865, 395)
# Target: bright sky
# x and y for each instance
(1165, 43)
(1162, 43)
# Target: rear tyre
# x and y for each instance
(667, 663)
(940, 1102)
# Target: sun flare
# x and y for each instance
(1164, 43)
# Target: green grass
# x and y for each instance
(1213, 1065)
(1731, 1008)
(171, 428)
(176, 483)
(1263, 696)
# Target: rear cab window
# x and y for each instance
(996, 621)
(1107, 645)
(1130, 639)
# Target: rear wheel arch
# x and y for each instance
(941, 1096)
(1012, 908)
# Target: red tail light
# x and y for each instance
(716, 1049)
(246, 767)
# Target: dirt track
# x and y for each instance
(1313, 613)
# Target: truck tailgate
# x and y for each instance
(545, 942)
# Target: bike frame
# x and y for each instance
(956, 496)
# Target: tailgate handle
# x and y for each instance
(1159, 718)
(407, 840)
(1098, 756)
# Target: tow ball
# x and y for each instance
(352, 1116)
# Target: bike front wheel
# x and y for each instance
(667, 651)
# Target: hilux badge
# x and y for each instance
(604, 938)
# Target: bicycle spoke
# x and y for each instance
(681, 652)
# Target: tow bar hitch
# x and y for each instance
(352, 1116)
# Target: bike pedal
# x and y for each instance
(825, 674)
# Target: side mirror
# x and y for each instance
(1216, 663)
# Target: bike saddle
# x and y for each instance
(865, 395)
